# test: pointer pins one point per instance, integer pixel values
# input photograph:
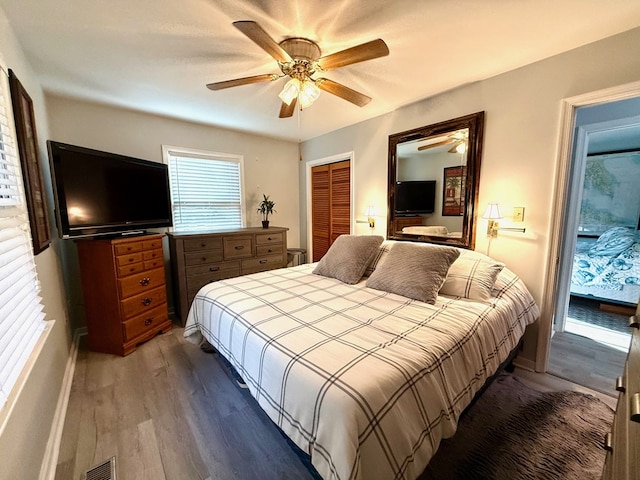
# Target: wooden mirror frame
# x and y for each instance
(475, 123)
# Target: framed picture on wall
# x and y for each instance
(453, 191)
(31, 172)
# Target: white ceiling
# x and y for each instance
(157, 55)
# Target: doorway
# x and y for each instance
(599, 274)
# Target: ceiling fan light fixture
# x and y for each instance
(461, 147)
(290, 91)
(309, 93)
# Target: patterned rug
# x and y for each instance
(514, 432)
(587, 311)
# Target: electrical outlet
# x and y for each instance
(518, 214)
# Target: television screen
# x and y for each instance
(100, 193)
(415, 197)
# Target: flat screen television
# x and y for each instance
(100, 193)
(415, 197)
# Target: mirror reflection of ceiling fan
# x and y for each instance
(458, 141)
(299, 58)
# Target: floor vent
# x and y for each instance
(104, 471)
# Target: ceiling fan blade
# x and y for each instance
(286, 111)
(255, 32)
(436, 144)
(270, 77)
(341, 91)
(360, 53)
(453, 149)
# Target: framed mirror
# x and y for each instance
(434, 172)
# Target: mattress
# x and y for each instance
(366, 382)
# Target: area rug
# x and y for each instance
(514, 432)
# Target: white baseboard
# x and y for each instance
(525, 363)
(50, 460)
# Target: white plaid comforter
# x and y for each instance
(366, 382)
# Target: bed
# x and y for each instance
(607, 268)
(364, 381)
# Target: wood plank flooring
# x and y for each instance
(170, 411)
(585, 361)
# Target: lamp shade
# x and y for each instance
(309, 93)
(370, 211)
(290, 91)
(492, 212)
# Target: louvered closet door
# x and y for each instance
(330, 205)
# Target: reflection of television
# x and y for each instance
(415, 197)
(100, 193)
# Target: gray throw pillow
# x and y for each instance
(348, 257)
(414, 270)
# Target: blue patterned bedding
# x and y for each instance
(609, 262)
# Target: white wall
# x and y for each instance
(270, 165)
(24, 438)
(519, 158)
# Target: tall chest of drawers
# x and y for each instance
(623, 443)
(123, 283)
(198, 259)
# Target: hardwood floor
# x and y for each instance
(170, 411)
(585, 361)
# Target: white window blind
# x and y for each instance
(21, 315)
(206, 189)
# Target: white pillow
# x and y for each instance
(472, 276)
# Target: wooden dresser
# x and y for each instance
(623, 443)
(201, 258)
(124, 289)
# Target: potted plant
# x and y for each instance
(265, 207)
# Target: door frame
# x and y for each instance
(561, 195)
(340, 157)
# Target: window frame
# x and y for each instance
(169, 150)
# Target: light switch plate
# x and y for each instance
(518, 214)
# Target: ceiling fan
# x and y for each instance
(300, 59)
(458, 140)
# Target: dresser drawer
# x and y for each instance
(152, 244)
(238, 247)
(143, 323)
(265, 238)
(141, 282)
(123, 260)
(262, 250)
(152, 254)
(125, 248)
(202, 243)
(203, 257)
(125, 270)
(150, 264)
(142, 302)
(261, 264)
(199, 276)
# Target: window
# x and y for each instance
(206, 189)
(21, 315)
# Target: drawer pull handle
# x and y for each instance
(634, 321)
(620, 384)
(608, 442)
(131, 259)
(239, 247)
(263, 261)
(203, 245)
(148, 322)
(269, 238)
(634, 407)
(214, 269)
(147, 301)
(145, 281)
(269, 251)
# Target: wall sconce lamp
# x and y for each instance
(492, 213)
(370, 212)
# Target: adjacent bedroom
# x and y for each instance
(344, 240)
